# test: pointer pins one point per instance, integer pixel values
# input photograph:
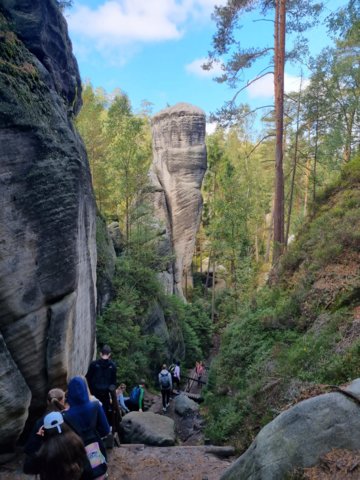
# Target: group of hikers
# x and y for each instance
(68, 441)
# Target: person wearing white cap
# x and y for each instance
(62, 455)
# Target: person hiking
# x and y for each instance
(101, 377)
(120, 391)
(176, 375)
(136, 399)
(62, 454)
(199, 370)
(165, 383)
(55, 402)
(88, 420)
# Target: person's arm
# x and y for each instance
(170, 378)
(122, 402)
(113, 375)
(141, 399)
(90, 375)
(35, 439)
(102, 425)
(32, 465)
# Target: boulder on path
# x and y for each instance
(148, 428)
(185, 406)
(298, 437)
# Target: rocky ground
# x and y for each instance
(189, 460)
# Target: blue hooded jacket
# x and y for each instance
(84, 413)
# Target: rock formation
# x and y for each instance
(185, 405)
(176, 174)
(47, 215)
(148, 428)
(298, 437)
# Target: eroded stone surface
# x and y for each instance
(176, 174)
(47, 215)
(148, 428)
(298, 437)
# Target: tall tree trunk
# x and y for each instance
(315, 153)
(270, 231)
(296, 153)
(213, 294)
(280, 27)
(307, 181)
(127, 220)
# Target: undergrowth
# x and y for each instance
(298, 330)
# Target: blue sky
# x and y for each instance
(153, 49)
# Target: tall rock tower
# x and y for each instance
(176, 174)
(47, 216)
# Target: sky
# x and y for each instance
(153, 50)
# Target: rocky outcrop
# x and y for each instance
(47, 215)
(185, 406)
(148, 428)
(106, 257)
(298, 437)
(176, 174)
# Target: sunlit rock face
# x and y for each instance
(47, 215)
(179, 165)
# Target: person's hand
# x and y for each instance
(40, 431)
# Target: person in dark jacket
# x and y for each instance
(62, 454)
(87, 418)
(101, 377)
(55, 403)
(83, 411)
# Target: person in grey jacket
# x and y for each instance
(165, 383)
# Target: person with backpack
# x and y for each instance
(176, 375)
(88, 420)
(62, 454)
(136, 400)
(55, 402)
(101, 377)
(165, 383)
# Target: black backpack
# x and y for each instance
(103, 375)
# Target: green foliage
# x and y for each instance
(118, 144)
(196, 327)
(121, 325)
(298, 329)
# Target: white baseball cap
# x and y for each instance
(53, 420)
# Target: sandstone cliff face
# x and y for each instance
(176, 174)
(47, 215)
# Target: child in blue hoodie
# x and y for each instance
(87, 418)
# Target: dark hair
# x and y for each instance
(106, 350)
(62, 454)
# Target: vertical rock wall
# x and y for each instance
(176, 174)
(47, 215)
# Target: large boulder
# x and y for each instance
(176, 174)
(148, 428)
(298, 437)
(185, 406)
(47, 215)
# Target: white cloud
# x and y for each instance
(211, 127)
(195, 68)
(292, 83)
(115, 22)
(264, 87)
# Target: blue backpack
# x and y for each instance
(135, 395)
